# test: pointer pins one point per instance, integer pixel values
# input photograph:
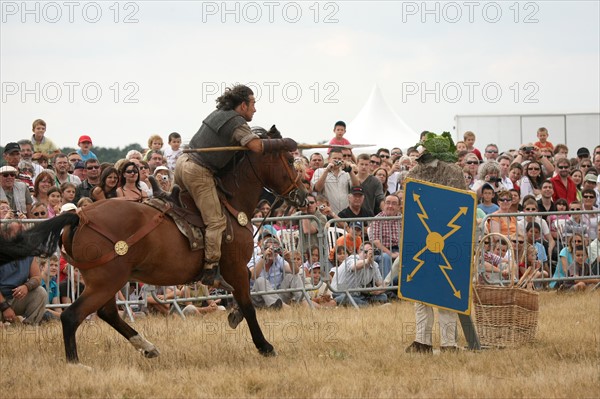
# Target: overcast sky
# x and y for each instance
(120, 72)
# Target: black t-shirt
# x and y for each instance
(542, 209)
(347, 214)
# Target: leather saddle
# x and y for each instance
(181, 208)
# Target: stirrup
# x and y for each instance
(212, 278)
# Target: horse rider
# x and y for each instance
(226, 126)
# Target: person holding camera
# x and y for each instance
(529, 152)
(163, 177)
(335, 180)
(488, 173)
(359, 271)
(270, 271)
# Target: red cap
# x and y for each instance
(83, 139)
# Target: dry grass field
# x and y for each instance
(322, 354)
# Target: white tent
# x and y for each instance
(378, 124)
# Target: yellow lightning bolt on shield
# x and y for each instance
(423, 215)
(444, 268)
(461, 211)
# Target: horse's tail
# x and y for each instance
(42, 239)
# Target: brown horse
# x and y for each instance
(161, 255)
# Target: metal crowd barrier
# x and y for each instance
(292, 238)
(564, 231)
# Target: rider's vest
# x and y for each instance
(216, 131)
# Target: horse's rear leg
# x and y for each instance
(247, 308)
(110, 314)
(72, 318)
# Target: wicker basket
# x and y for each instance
(504, 316)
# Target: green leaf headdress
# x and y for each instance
(439, 147)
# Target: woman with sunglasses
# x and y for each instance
(590, 219)
(505, 225)
(107, 188)
(39, 211)
(144, 169)
(468, 176)
(532, 180)
(129, 186)
(472, 164)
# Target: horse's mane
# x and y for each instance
(273, 133)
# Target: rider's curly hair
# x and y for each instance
(234, 96)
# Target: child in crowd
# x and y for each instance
(320, 297)
(487, 196)
(174, 150)
(339, 129)
(469, 138)
(68, 192)
(461, 146)
(543, 143)
(41, 143)
(54, 201)
(581, 268)
(84, 151)
(531, 260)
(49, 271)
(155, 142)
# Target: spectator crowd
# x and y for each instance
(38, 181)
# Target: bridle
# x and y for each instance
(292, 192)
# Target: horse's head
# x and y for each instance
(279, 172)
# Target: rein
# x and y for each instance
(283, 196)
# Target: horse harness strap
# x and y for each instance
(121, 247)
(241, 217)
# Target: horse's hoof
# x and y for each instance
(151, 353)
(269, 353)
(235, 318)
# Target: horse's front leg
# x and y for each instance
(247, 309)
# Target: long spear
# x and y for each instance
(300, 146)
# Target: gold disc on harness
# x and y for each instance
(121, 248)
(242, 219)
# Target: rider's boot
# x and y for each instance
(211, 277)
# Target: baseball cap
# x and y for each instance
(68, 207)
(357, 190)
(268, 230)
(315, 265)
(11, 147)
(159, 168)
(8, 169)
(591, 177)
(356, 224)
(84, 138)
(583, 152)
(78, 165)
